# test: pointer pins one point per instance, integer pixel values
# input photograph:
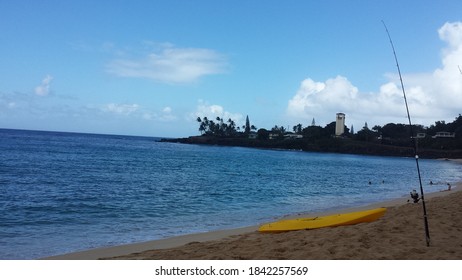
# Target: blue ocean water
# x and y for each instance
(65, 192)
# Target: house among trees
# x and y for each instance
(253, 135)
(444, 134)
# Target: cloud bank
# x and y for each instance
(431, 96)
(171, 65)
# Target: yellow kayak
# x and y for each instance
(324, 221)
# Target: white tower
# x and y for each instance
(340, 124)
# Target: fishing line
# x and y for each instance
(427, 232)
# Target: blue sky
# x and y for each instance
(152, 67)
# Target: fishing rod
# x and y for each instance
(427, 232)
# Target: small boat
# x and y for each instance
(324, 221)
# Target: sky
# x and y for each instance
(150, 68)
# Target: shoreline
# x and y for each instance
(144, 250)
(325, 145)
(457, 160)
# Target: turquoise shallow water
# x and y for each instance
(64, 192)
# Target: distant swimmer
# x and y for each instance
(448, 189)
(431, 182)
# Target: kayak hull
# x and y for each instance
(324, 221)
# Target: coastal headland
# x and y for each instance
(329, 145)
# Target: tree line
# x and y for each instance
(391, 133)
(220, 128)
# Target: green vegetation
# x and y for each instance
(221, 129)
(390, 139)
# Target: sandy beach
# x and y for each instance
(398, 235)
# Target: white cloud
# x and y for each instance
(135, 111)
(6, 103)
(447, 80)
(213, 111)
(171, 65)
(431, 96)
(451, 33)
(167, 115)
(44, 88)
(167, 110)
(120, 109)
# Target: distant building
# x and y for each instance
(253, 135)
(443, 134)
(292, 136)
(273, 136)
(340, 124)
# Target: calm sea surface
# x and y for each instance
(65, 192)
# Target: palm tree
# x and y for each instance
(231, 128)
(202, 127)
(298, 128)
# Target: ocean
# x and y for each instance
(65, 192)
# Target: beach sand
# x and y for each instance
(398, 235)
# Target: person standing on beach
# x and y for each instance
(415, 196)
